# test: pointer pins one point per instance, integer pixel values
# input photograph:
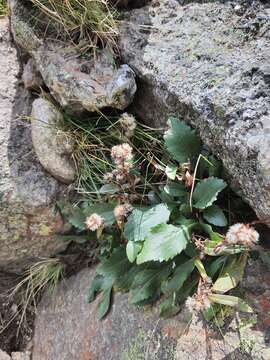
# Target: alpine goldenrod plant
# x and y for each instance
(87, 21)
(169, 238)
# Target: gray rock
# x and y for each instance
(210, 67)
(4, 355)
(31, 77)
(28, 220)
(77, 82)
(66, 327)
(51, 144)
(22, 31)
(21, 355)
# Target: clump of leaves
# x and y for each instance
(3, 8)
(87, 21)
(174, 245)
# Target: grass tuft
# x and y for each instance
(87, 22)
(94, 139)
(43, 275)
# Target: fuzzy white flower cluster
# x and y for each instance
(242, 234)
(122, 156)
(94, 222)
(128, 124)
(121, 153)
(122, 211)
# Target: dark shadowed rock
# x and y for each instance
(67, 328)
(28, 220)
(31, 76)
(208, 63)
(52, 146)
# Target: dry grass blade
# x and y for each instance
(83, 20)
(43, 275)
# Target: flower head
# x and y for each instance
(122, 211)
(128, 123)
(242, 234)
(189, 179)
(200, 301)
(94, 222)
(121, 153)
(196, 304)
(108, 177)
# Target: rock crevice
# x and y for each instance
(209, 65)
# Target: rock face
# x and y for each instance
(208, 63)
(77, 83)
(67, 328)
(31, 77)
(85, 84)
(28, 220)
(52, 146)
(15, 355)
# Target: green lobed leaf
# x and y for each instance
(169, 307)
(104, 305)
(171, 171)
(229, 300)
(231, 275)
(176, 190)
(133, 248)
(216, 265)
(147, 283)
(96, 287)
(206, 192)
(172, 305)
(215, 237)
(113, 268)
(125, 281)
(226, 250)
(108, 189)
(181, 141)
(180, 275)
(140, 222)
(214, 215)
(77, 218)
(163, 243)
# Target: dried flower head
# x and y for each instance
(195, 304)
(242, 234)
(121, 153)
(122, 172)
(200, 301)
(188, 179)
(128, 124)
(94, 222)
(122, 211)
(108, 177)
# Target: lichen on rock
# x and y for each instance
(207, 63)
(52, 146)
